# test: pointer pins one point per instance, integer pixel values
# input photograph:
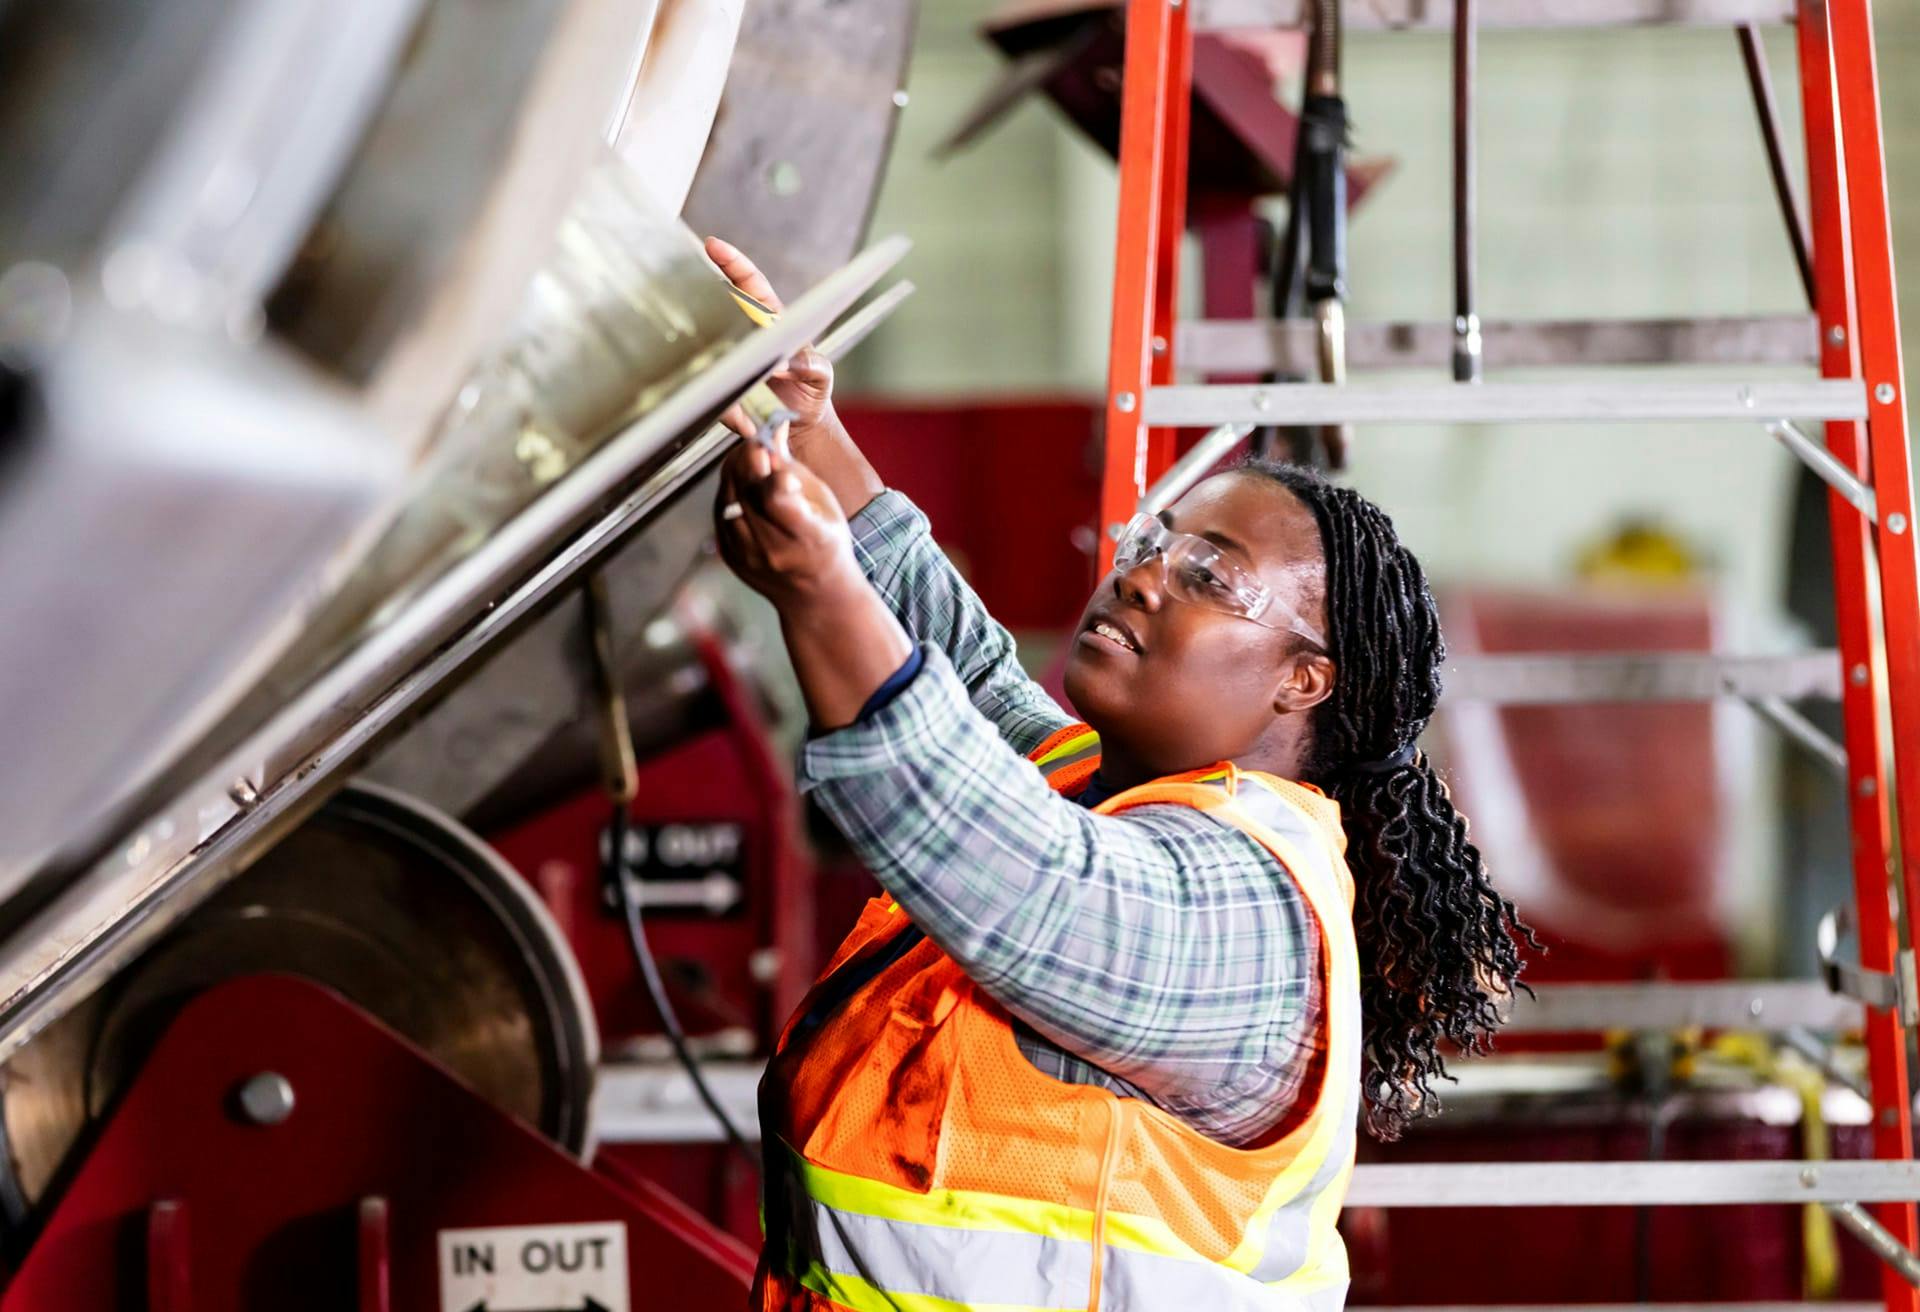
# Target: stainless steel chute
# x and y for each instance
(291, 446)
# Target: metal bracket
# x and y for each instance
(1885, 1245)
(1828, 468)
(1780, 713)
(1896, 992)
(1192, 467)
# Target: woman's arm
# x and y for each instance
(1164, 947)
(893, 543)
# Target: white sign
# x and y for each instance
(535, 1268)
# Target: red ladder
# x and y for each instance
(1865, 460)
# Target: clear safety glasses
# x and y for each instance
(1198, 572)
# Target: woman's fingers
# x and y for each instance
(736, 417)
(742, 272)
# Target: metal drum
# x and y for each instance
(403, 912)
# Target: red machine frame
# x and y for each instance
(1859, 339)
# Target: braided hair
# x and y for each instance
(1439, 946)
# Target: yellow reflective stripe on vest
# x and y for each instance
(884, 1264)
(1291, 1231)
(1074, 749)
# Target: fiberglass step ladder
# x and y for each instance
(1859, 397)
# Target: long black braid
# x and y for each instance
(1439, 946)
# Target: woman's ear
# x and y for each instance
(1305, 682)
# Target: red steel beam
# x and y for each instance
(1852, 538)
(1144, 115)
(1863, 171)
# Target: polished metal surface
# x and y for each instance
(401, 911)
(203, 835)
(526, 699)
(793, 166)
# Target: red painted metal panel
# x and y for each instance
(275, 1207)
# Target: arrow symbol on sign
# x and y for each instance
(591, 1305)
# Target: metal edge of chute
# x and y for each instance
(214, 827)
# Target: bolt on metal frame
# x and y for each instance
(1865, 462)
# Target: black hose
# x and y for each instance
(657, 987)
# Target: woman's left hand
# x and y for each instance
(780, 527)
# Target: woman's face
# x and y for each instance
(1188, 685)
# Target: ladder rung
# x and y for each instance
(1546, 679)
(1257, 346)
(1505, 403)
(1432, 15)
(1627, 1184)
(1771, 1005)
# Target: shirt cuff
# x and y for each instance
(895, 684)
(910, 727)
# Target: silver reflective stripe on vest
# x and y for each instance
(1290, 1231)
(983, 1267)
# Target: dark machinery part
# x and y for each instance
(1760, 82)
(622, 776)
(401, 911)
(1466, 321)
(1310, 272)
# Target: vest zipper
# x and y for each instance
(1109, 1158)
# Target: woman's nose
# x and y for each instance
(1144, 585)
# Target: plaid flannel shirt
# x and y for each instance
(1159, 953)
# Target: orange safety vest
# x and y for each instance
(918, 1162)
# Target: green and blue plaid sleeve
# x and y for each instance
(1159, 952)
(895, 547)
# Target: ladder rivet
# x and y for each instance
(1896, 523)
(1884, 393)
(1262, 402)
(1889, 1116)
(1755, 1007)
(1159, 344)
(1859, 675)
(1809, 1177)
(1865, 787)
(1124, 403)
(1746, 396)
(1837, 335)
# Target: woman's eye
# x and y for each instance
(1207, 579)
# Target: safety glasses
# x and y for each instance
(1200, 573)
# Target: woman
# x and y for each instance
(1105, 1041)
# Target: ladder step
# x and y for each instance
(1552, 678)
(1291, 346)
(1437, 15)
(1770, 1005)
(1505, 403)
(1628, 1184)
